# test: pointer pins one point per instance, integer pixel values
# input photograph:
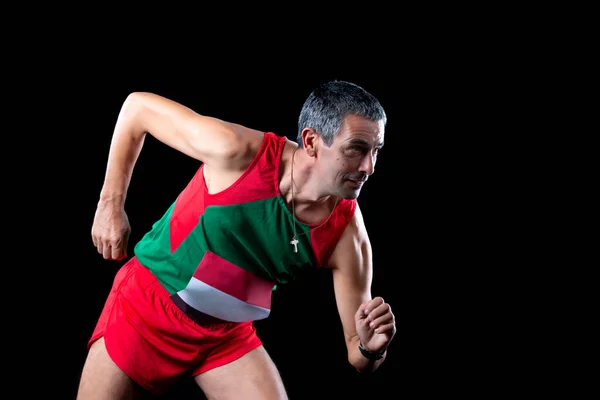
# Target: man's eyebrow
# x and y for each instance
(363, 142)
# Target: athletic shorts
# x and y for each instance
(154, 342)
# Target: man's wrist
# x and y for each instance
(369, 354)
(112, 198)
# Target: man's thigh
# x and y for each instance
(101, 378)
(252, 376)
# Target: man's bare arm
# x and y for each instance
(216, 143)
(352, 269)
(225, 149)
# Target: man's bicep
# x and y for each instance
(204, 138)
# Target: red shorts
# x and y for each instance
(154, 342)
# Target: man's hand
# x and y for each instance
(111, 230)
(375, 325)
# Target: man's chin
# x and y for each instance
(350, 194)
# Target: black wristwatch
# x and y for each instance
(367, 354)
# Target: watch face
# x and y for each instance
(368, 354)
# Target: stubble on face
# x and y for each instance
(354, 152)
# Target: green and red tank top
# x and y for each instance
(222, 254)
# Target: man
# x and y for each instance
(260, 210)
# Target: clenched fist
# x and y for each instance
(375, 324)
(111, 230)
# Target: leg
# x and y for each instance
(102, 379)
(252, 376)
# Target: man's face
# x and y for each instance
(352, 156)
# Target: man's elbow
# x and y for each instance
(361, 369)
(362, 365)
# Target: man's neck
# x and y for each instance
(307, 181)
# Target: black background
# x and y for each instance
(463, 209)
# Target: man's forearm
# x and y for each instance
(125, 148)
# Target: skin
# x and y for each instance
(321, 175)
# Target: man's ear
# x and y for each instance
(310, 141)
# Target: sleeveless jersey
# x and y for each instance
(223, 254)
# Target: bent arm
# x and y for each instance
(352, 269)
(209, 140)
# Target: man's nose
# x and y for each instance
(368, 164)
